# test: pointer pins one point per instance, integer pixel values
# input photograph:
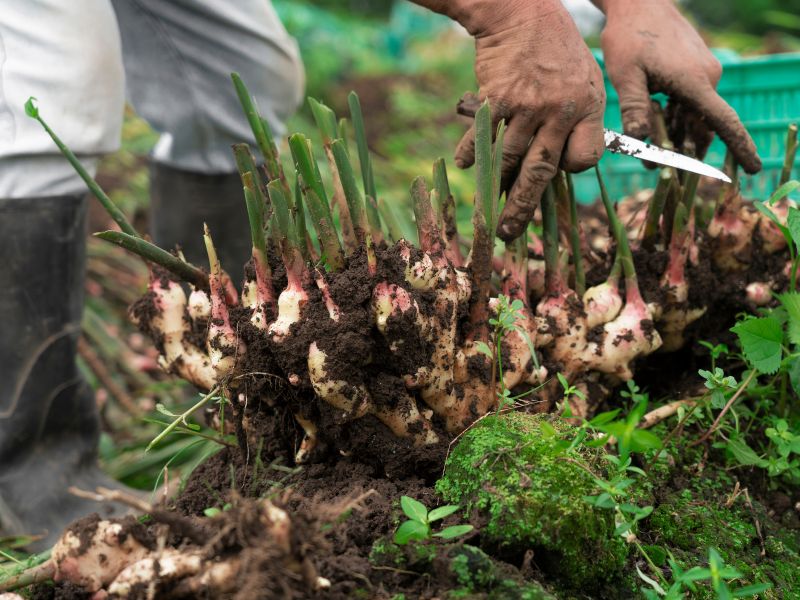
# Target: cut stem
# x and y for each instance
(427, 230)
(446, 213)
(554, 282)
(148, 251)
(113, 211)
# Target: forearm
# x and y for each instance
(481, 16)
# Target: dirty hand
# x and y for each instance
(649, 47)
(533, 66)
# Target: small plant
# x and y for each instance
(719, 384)
(717, 574)
(509, 318)
(418, 526)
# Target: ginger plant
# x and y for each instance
(342, 321)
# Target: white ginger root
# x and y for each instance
(602, 303)
(170, 322)
(625, 339)
(352, 399)
(169, 565)
(93, 565)
(199, 305)
(759, 292)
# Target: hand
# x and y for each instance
(649, 47)
(533, 66)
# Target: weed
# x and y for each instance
(418, 527)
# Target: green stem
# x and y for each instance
(284, 227)
(374, 219)
(396, 231)
(789, 154)
(623, 248)
(497, 164)
(261, 130)
(260, 259)
(326, 121)
(355, 201)
(246, 163)
(181, 418)
(141, 247)
(554, 283)
(361, 142)
(314, 193)
(484, 166)
(114, 212)
(575, 239)
(655, 208)
(342, 131)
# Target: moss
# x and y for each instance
(695, 519)
(514, 474)
(469, 570)
(386, 554)
(472, 568)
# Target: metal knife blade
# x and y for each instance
(623, 144)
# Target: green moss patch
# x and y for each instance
(513, 473)
(690, 521)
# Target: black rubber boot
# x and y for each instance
(181, 201)
(49, 425)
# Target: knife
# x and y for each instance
(623, 144)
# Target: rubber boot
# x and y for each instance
(181, 201)
(49, 425)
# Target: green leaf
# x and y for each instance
(414, 509)
(751, 590)
(641, 439)
(744, 454)
(547, 429)
(791, 302)
(604, 417)
(484, 348)
(761, 340)
(442, 512)
(212, 512)
(454, 531)
(783, 191)
(604, 500)
(411, 531)
(793, 223)
(31, 109)
(696, 574)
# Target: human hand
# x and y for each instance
(533, 66)
(649, 47)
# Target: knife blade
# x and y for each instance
(623, 144)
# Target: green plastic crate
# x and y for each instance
(764, 91)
